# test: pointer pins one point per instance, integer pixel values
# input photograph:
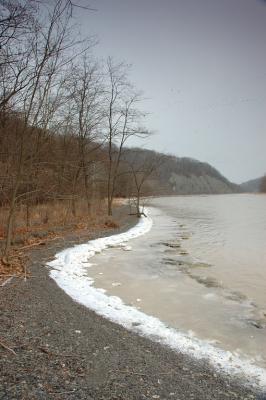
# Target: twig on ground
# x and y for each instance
(32, 245)
(71, 391)
(7, 280)
(41, 243)
(7, 348)
(48, 352)
(48, 266)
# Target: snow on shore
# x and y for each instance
(70, 271)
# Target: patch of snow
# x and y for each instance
(210, 296)
(127, 248)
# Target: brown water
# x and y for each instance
(201, 269)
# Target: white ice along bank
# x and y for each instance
(70, 271)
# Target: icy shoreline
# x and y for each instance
(70, 269)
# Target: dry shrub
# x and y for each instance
(55, 214)
(109, 223)
(46, 222)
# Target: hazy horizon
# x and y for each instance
(202, 67)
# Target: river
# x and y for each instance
(201, 269)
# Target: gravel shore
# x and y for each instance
(61, 350)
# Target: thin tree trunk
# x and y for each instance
(110, 206)
(109, 191)
(73, 200)
(137, 206)
(27, 214)
(86, 185)
(73, 206)
(10, 220)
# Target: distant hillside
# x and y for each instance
(188, 176)
(251, 186)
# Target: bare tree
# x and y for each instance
(86, 94)
(123, 118)
(142, 170)
(46, 49)
(17, 23)
(64, 120)
(15, 20)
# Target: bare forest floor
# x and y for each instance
(54, 348)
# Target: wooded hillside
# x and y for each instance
(252, 186)
(65, 117)
(183, 175)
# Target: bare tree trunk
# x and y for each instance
(138, 204)
(10, 219)
(73, 206)
(86, 185)
(123, 121)
(109, 191)
(27, 214)
(74, 186)
(110, 206)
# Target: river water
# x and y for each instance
(201, 269)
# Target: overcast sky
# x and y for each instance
(202, 67)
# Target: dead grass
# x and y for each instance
(54, 214)
(47, 222)
(109, 223)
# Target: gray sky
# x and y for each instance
(202, 67)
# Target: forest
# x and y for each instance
(65, 121)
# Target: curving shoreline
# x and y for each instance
(66, 351)
(70, 271)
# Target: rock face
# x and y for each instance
(185, 176)
(252, 186)
(193, 184)
(189, 176)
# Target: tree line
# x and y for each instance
(263, 184)
(65, 117)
